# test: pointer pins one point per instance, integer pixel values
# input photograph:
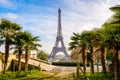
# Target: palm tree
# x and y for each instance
(97, 41)
(88, 37)
(75, 46)
(102, 51)
(84, 55)
(83, 45)
(19, 46)
(8, 30)
(112, 37)
(1, 43)
(103, 59)
(30, 44)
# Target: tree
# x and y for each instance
(83, 46)
(8, 30)
(100, 45)
(103, 59)
(74, 45)
(109, 56)
(88, 37)
(31, 43)
(112, 37)
(42, 55)
(19, 46)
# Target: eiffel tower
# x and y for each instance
(59, 39)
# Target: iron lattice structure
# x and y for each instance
(59, 39)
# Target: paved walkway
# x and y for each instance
(72, 69)
(63, 68)
(65, 74)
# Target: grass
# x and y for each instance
(38, 75)
(97, 76)
(21, 75)
(31, 75)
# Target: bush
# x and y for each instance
(7, 76)
(67, 64)
(99, 76)
(20, 74)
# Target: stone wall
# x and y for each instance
(11, 56)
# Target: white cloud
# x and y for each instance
(6, 3)
(82, 15)
(12, 16)
(47, 46)
(77, 15)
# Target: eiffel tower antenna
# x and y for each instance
(59, 39)
(59, 1)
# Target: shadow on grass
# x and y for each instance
(51, 77)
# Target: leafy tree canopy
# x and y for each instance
(42, 55)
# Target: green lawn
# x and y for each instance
(31, 75)
(38, 75)
(98, 76)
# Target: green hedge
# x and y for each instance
(67, 64)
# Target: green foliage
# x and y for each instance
(33, 72)
(111, 29)
(112, 37)
(98, 76)
(42, 55)
(31, 41)
(75, 41)
(6, 76)
(109, 56)
(8, 30)
(20, 74)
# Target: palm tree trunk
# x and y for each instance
(77, 68)
(26, 59)
(84, 58)
(2, 62)
(19, 60)
(6, 55)
(116, 65)
(26, 62)
(92, 61)
(103, 59)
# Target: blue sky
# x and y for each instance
(40, 17)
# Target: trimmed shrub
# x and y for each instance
(67, 64)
